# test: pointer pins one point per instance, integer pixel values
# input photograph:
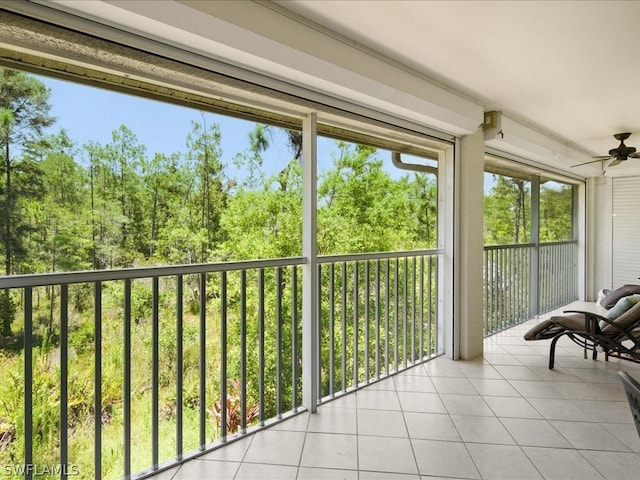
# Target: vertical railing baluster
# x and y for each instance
(261, 345)
(332, 350)
(223, 356)
(355, 324)
(320, 332)
(279, 341)
(97, 394)
(526, 272)
(526, 282)
(512, 288)
(126, 394)
(521, 288)
(64, 379)
(430, 306)
(344, 325)
(179, 363)
(489, 287)
(28, 379)
(377, 315)
(203, 361)
(294, 338)
(495, 283)
(155, 374)
(512, 285)
(435, 308)
(413, 309)
(405, 311)
(565, 273)
(499, 291)
(396, 316)
(505, 287)
(485, 287)
(243, 351)
(508, 263)
(387, 285)
(543, 261)
(366, 321)
(421, 339)
(553, 283)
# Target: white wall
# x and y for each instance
(599, 234)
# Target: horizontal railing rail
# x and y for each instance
(125, 373)
(67, 278)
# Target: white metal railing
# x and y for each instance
(378, 316)
(521, 281)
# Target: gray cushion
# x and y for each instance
(628, 320)
(624, 304)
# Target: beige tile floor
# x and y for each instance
(505, 416)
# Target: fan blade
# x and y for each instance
(615, 162)
(597, 159)
(635, 155)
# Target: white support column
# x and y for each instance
(310, 320)
(448, 182)
(469, 303)
(534, 280)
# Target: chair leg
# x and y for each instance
(552, 351)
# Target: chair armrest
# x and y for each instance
(589, 316)
(591, 320)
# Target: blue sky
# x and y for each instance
(90, 114)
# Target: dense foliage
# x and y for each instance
(507, 212)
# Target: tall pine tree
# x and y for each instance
(24, 113)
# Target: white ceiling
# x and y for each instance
(566, 67)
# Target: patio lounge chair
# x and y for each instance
(619, 336)
(632, 388)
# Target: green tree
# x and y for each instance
(65, 234)
(24, 113)
(119, 220)
(424, 194)
(211, 188)
(361, 208)
(126, 156)
(556, 212)
(166, 186)
(264, 220)
(506, 212)
(106, 217)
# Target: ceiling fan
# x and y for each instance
(619, 154)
